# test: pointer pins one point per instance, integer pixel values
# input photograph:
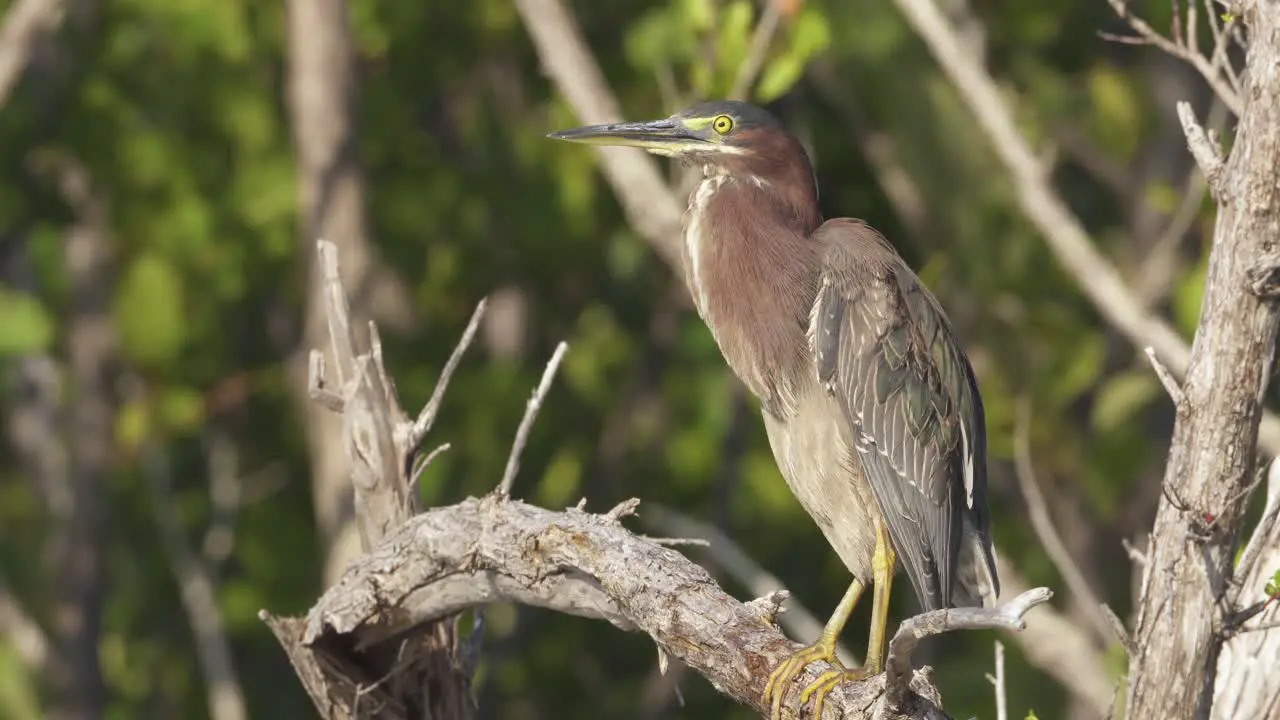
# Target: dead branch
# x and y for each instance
(1065, 234)
(1043, 526)
(1184, 613)
(495, 549)
(650, 205)
(1184, 48)
(526, 422)
(1007, 616)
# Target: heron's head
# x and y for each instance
(732, 137)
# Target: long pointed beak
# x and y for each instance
(665, 136)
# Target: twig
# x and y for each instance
(1118, 630)
(997, 683)
(1208, 156)
(1138, 557)
(1166, 378)
(530, 414)
(1179, 50)
(1007, 616)
(761, 39)
(677, 541)
(1062, 230)
(1043, 525)
(427, 417)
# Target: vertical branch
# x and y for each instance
(322, 101)
(79, 548)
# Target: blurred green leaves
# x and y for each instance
(25, 325)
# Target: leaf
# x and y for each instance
(1273, 586)
(25, 325)
(810, 35)
(149, 311)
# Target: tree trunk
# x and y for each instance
(1181, 617)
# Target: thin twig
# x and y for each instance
(530, 413)
(677, 541)
(1208, 156)
(1043, 525)
(428, 415)
(1181, 51)
(997, 683)
(1007, 616)
(1118, 630)
(1166, 378)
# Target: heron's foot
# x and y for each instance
(828, 681)
(782, 676)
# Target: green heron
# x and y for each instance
(871, 407)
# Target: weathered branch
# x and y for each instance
(495, 549)
(1216, 71)
(380, 446)
(1005, 617)
(1185, 613)
(1065, 234)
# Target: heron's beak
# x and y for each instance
(666, 137)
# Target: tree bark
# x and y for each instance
(1182, 616)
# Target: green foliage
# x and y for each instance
(25, 325)
(1273, 586)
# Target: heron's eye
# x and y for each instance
(722, 124)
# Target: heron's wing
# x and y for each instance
(886, 352)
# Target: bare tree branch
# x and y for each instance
(1062, 230)
(1211, 71)
(24, 24)
(494, 549)
(379, 445)
(526, 422)
(997, 684)
(1043, 525)
(1005, 617)
(650, 205)
(1182, 617)
(761, 39)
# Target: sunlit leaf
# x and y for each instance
(25, 325)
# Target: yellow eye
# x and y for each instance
(722, 124)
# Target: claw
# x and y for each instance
(781, 678)
(829, 681)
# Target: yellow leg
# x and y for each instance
(882, 566)
(824, 649)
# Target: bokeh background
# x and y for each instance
(163, 478)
